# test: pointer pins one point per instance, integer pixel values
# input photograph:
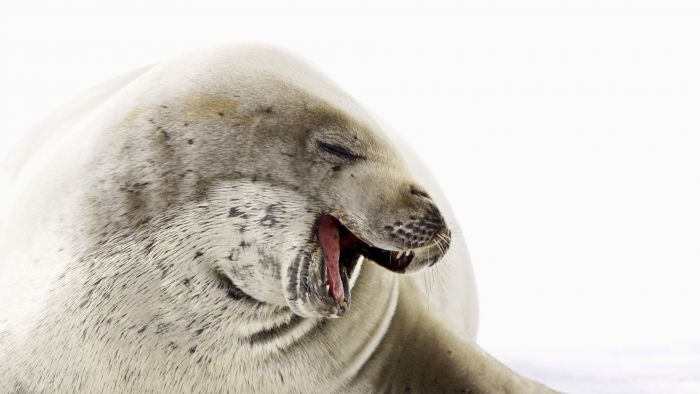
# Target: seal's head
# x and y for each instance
(370, 208)
(297, 182)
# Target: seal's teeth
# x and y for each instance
(328, 287)
(399, 255)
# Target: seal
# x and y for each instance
(232, 221)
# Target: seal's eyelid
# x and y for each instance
(338, 150)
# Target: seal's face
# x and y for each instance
(372, 210)
(342, 195)
(301, 188)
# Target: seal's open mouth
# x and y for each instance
(341, 251)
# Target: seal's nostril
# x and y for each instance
(417, 191)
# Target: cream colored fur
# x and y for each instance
(156, 230)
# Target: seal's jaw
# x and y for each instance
(342, 249)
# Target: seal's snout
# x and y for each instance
(417, 224)
(417, 236)
(416, 230)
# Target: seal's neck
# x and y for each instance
(182, 317)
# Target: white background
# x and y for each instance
(566, 135)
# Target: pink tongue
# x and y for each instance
(330, 243)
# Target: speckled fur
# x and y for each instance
(165, 242)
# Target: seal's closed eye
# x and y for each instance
(338, 150)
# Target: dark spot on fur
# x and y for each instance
(193, 349)
(185, 124)
(269, 264)
(270, 219)
(198, 254)
(164, 106)
(186, 281)
(221, 114)
(190, 141)
(142, 329)
(163, 327)
(268, 110)
(234, 212)
(199, 332)
(336, 168)
(88, 296)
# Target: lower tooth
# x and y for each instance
(328, 287)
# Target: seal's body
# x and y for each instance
(199, 226)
